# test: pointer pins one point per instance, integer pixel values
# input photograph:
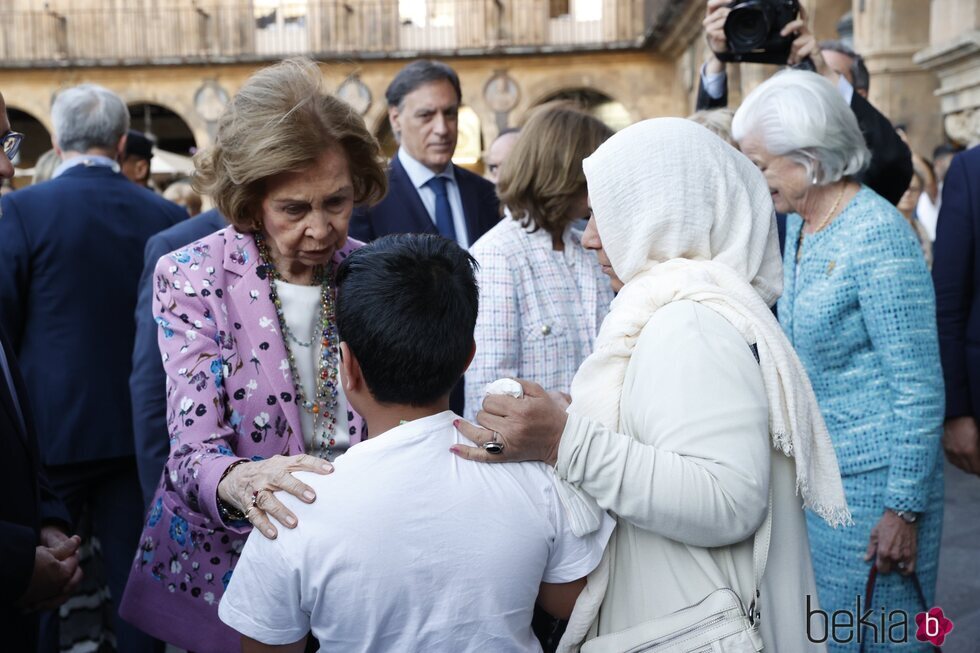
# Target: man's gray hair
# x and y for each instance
(802, 116)
(88, 116)
(860, 77)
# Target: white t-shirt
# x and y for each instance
(301, 307)
(410, 548)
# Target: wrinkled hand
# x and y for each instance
(893, 544)
(715, 14)
(961, 440)
(530, 427)
(55, 576)
(265, 477)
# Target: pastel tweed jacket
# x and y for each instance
(860, 310)
(230, 396)
(540, 309)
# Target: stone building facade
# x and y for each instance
(631, 59)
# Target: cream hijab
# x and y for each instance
(683, 215)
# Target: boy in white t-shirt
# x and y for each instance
(408, 547)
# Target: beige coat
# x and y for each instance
(688, 482)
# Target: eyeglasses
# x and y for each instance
(11, 144)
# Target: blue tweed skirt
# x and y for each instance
(842, 573)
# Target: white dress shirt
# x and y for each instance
(420, 176)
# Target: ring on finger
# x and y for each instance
(495, 446)
(255, 499)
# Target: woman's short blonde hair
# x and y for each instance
(282, 120)
(717, 121)
(183, 194)
(542, 177)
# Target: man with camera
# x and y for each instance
(775, 32)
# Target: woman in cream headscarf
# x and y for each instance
(693, 406)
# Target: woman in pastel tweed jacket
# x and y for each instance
(288, 165)
(859, 308)
(542, 294)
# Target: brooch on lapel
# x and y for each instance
(830, 267)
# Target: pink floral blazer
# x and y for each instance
(230, 397)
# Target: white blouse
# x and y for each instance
(300, 307)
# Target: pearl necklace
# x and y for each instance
(323, 406)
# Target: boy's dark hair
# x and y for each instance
(406, 307)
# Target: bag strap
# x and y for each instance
(760, 556)
(869, 593)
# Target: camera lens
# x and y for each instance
(747, 27)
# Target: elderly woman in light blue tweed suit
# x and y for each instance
(858, 307)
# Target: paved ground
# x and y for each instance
(958, 591)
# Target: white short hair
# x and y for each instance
(88, 116)
(801, 115)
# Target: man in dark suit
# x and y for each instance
(890, 170)
(147, 381)
(956, 274)
(427, 192)
(38, 561)
(70, 257)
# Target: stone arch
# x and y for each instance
(565, 84)
(601, 105)
(179, 107)
(172, 132)
(37, 135)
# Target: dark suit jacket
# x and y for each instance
(71, 253)
(147, 381)
(956, 274)
(28, 503)
(402, 211)
(890, 170)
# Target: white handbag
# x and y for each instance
(718, 623)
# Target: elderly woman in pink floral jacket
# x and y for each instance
(249, 345)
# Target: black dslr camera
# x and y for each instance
(752, 31)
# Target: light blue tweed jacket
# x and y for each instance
(861, 312)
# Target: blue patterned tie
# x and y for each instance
(444, 213)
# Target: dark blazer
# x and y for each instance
(147, 381)
(890, 170)
(956, 274)
(71, 254)
(27, 504)
(402, 211)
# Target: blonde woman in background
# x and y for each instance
(718, 121)
(542, 295)
(907, 206)
(45, 166)
(183, 194)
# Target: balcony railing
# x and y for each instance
(267, 29)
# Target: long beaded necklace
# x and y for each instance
(322, 407)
